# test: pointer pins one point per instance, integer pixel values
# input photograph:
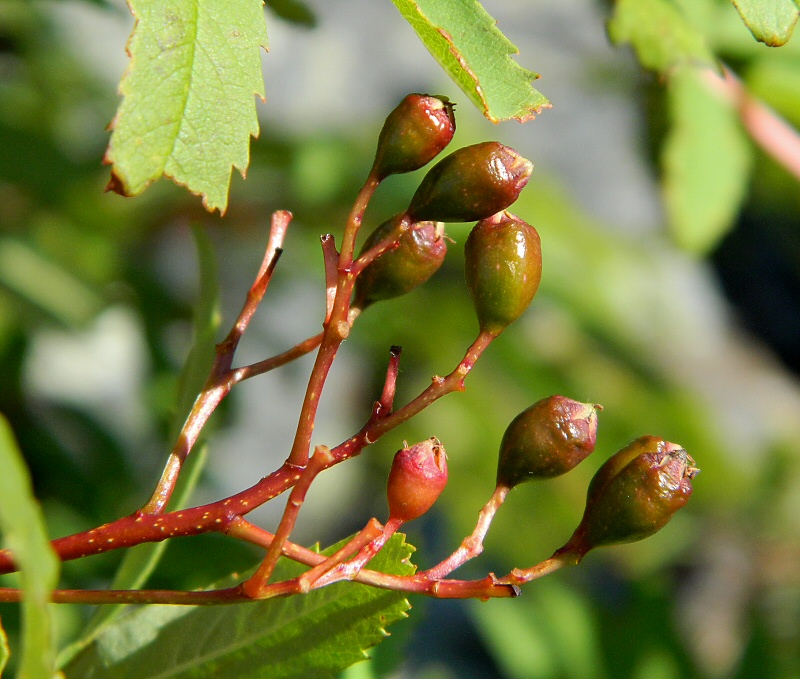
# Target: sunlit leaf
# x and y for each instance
(189, 96)
(23, 530)
(706, 163)
(465, 40)
(660, 35)
(770, 21)
(313, 635)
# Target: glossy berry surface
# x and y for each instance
(418, 255)
(471, 183)
(634, 494)
(503, 268)
(546, 440)
(414, 133)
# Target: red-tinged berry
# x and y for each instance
(419, 253)
(503, 268)
(417, 478)
(546, 440)
(634, 494)
(414, 133)
(471, 183)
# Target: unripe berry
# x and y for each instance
(503, 267)
(417, 477)
(470, 184)
(546, 440)
(414, 134)
(634, 494)
(419, 254)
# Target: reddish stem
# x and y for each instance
(386, 401)
(138, 528)
(219, 383)
(256, 584)
(336, 329)
(259, 368)
(331, 258)
(349, 569)
(519, 576)
(389, 243)
(472, 546)
(439, 387)
(217, 516)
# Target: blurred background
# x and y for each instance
(95, 306)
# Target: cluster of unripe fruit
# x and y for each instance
(475, 183)
(638, 489)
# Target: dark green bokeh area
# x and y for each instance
(95, 305)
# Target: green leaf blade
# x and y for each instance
(312, 635)
(189, 96)
(466, 42)
(659, 34)
(706, 163)
(770, 21)
(23, 530)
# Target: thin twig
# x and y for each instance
(218, 384)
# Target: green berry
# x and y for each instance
(634, 494)
(546, 440)
(417, 478)
(503, 267)
(471, 183)
(414, 134)
(419, 253)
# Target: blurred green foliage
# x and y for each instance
(625, 320)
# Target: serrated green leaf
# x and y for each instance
(140, 561)
(770, 21)
(23, 530)
(659, 34)
(189, 96)
(466, 42)
(706, 162)
(313, 635)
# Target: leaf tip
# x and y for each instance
(116, 184)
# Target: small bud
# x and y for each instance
(414, 134)
(503, 267)
(418, 255)
(546, 440)
(417, 477)
(470, 184)
(634, 494)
